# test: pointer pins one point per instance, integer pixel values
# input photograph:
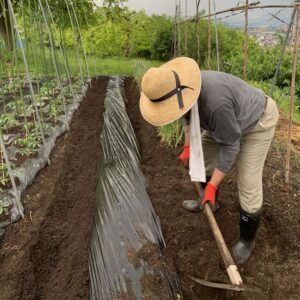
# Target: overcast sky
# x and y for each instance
(257, 16)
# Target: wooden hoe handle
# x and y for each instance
(230, 265)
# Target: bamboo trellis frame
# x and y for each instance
(246, 41)
(255, 5)
(293, 83)
(26, 57)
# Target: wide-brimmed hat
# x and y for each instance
(170, 91)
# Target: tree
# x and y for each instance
(114, 8)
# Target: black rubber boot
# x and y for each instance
(248, 227)
(195, 206)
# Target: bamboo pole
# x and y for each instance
(253, 5)
(81, 42)
(186, 32)
(209, 36)
(17, 199)
(175, 32)
(246, 42)
(282, 53)
(63, 54)
(217, 38)
(178, 29)
(75, 42)
(27, 72)
(197, 39)
(54, 59)
(295, 54)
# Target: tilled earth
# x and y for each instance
(44, 256)
(274, 267)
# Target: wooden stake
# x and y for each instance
(186, 32)
(178, 29)
(197, 39)
(175, 33)
(246, 42)
(295, 54)
(209, 35)
(239, 8)
(282, 53)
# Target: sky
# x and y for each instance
(257, 17)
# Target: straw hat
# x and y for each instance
(170, 91)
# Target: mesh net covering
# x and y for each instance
(124, 219)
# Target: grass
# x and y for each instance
(43, 66)
(282, 98)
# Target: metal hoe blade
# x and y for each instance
(218, 285)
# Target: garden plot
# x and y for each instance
(45, 256)
(29, 129)
(191, 249)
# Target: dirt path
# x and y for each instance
(191, 249)
(45, 255)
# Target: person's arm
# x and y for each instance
(227, 133)
(217, 177)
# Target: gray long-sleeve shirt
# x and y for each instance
(228, 108)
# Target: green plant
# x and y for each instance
(4, 178)
(7, 121)
(172, 134)
(3, 206)
(139, 67)
(55, 108)
(29, 144)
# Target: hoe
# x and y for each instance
(232, 271)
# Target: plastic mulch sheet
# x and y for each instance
(124, 219)
(27, 172)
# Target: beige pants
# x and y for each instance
(250, 162)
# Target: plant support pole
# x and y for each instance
(282, 53)
(209, 36)
(12, 179)
(28, 77)
(175, 33)
(217, 39)
(295, 52)
(186, 32)
(246, 41)
(178, 29)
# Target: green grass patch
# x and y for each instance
(282, 98)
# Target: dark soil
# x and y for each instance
(45, 256)
(274, 266)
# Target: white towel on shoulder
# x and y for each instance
(197, 165)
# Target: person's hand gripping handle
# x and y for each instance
(209, 195)
(184, 157)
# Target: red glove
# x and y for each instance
(185, 155)
(209, 195)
